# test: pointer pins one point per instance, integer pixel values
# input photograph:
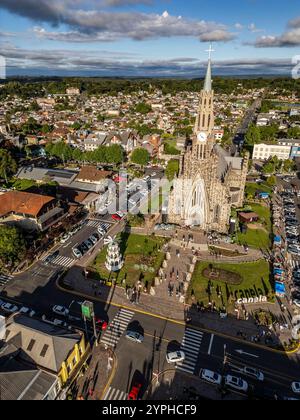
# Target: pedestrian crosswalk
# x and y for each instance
(190, 345)
(4, 279)
(97, 223)
(294, 264)
(117, 327)
(114, 394)
(61, 261)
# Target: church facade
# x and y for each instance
(210, 181)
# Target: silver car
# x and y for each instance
(135, 337)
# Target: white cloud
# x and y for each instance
(288, 39)
(253, 28)
(93, 24)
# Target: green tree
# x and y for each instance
(46, 128)
(171, 149)
(77, 155)
(77, 125)
(172, 169)
(62, 151)
(253, 135)
(12, 246)
(8, 165)
(140, 157)
(143, 108)
(24, 184)
(293, 133)
(289, 166)
(271, 181)
(114, 154)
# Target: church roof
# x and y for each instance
(225, 160)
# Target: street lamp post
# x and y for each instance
(225, 357)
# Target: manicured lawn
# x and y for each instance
(137, 250)
(258, 238)
(255, 277)
(251, 188)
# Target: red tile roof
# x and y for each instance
(92, 174)
(23, 202)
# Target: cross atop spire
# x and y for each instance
(210, 50)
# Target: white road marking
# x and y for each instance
(210, 344)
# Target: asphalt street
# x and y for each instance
(36, 288)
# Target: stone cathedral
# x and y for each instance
(210, 181)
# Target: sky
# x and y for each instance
(149, 38)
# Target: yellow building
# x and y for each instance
(45, 346)
(72, 361)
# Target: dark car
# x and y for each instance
(51, 257)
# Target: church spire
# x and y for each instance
(207, 82)
(204, 125)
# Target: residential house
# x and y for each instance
(248, 217)
(94, 140)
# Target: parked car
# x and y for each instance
(60, 310)
(134, 336)
(27, 311)
(135, 391)
(93, 239)
(116, 217)
(211, 377)
(88, 244)
(77, 253)
(236, 383)
(101, 231)
(296, 387)
(9, 308)
(175, 357)
(254, 373)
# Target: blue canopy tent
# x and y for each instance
(280, 289)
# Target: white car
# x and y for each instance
(101, 231)
(296, 387)
(27, 311)
(236, 383)
(135, 337)
(65, 238)
(77, 253)
(211, 377)
(121, 214)
(296, 302)
(254, 373)
(175, 357)
(60, 310)
(10, 308)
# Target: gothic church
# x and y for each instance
(210, 181)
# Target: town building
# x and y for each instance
(266, 151)
(211, 181)
(30, 211)
(37, 359)
(284, 149)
